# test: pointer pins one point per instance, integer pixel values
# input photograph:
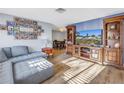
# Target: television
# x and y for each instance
(89, 37)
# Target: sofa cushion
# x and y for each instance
(28, 56)
(7, 51)
(6, 73)
(3, 57)
(32, 71)
(19, 50)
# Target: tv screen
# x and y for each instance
(92, 37)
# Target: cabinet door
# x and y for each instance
(76, 51)
(95, 54)
(112, 56)
(69, 49)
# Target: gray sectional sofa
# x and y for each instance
(19, 66)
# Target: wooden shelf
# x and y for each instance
(112, 29)
(84, 53)
(88, 55)
(113, 38)
(70, 38)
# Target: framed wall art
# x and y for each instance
(23, 28)
(3, 27)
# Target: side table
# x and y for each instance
(48, 51)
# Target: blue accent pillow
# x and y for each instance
(19, 51)
(7, 51)
(3, 56)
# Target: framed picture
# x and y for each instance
(3, 27)
(11, 23)
(34, 22)
(39, 29)
(10, 30)
(25, 29)
(16, 28)
(35, 27)
(16, 19)
(10, 27)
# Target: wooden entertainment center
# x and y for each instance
(90, 53)
(111, 53)
(93, 54)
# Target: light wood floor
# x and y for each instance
(57, 52)
(71, 70)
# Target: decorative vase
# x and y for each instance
(117, 45)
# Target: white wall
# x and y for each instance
(9, 40)
(60, 36)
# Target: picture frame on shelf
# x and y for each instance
(112, 26)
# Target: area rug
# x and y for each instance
(72, 70)
(81, 71)
(76, 70)
(87, 75)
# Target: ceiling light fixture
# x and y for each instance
(62, 29)
(60, 10)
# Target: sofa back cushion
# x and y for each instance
(19, 51)
(3, 56)
(7, 51)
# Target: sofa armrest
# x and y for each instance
(6, 73)
(44, 55)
